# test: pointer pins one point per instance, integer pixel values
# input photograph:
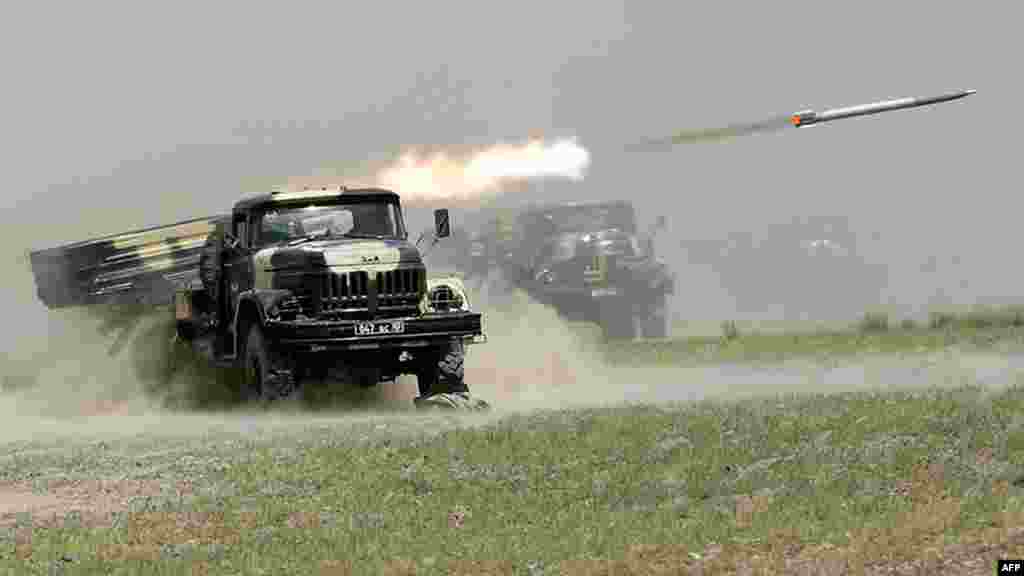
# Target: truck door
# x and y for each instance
(237, 275)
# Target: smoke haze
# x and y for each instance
(119, 117)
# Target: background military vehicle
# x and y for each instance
(585, 259)
(290, 284)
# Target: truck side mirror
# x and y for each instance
(442, 225)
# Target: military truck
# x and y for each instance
(586, 260)
(291, 284)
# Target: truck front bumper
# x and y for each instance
(417, 332)
(590, 302)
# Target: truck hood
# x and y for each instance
(340, 253)
(574, 265)
(608, 242)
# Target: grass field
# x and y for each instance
(783, 485)
(875, 333)
(869, 482)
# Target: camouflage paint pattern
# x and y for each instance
(141, 266)
(146, 266)
(342, 255)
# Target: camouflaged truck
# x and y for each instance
(586, 260)
(291, 284)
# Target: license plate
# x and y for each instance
(377, 328)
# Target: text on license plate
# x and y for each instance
(375, 328)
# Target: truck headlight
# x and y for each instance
(443, 298)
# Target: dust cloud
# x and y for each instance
(536, 361)
(74, 379)
(533, 360)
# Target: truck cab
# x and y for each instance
(589, 261)
(317, 282)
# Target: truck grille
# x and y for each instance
(345, 295)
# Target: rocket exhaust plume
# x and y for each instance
(443, 177)
(459, 177)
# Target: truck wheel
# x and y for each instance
(441, 382)
(655, 326)
(441, 371)
(619, 330)
(260, 382)
(618, 325)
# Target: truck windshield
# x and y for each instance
(592, 218)
(356, 220)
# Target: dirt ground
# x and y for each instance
(95, 501)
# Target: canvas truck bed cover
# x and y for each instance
(141, 266)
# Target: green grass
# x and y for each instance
(982, 328)
(857, 478)
(750, 347)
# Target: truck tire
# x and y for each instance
(441, 371)
(617, 324)
(256, 365)
(441, 381)
(259, 381)
(619, 330)
(655, 326)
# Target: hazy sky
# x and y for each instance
(120, 115)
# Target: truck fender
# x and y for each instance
(454, 283)
(255, 306)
